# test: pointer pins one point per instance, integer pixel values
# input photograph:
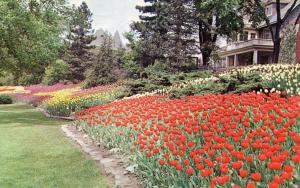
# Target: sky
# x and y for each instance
(112, 15)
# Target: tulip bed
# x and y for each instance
(33, 93)
(11, 89)
(248, 140)
(62, 100)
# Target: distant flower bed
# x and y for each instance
(247, 140)
(33, 93)
(62, 100)
(66, 101)
(11, 89)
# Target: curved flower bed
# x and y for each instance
(64, 99)
(64, 102)
(248, 140)
(33, 93)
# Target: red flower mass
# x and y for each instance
(236, 139)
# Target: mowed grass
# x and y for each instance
(34, 153)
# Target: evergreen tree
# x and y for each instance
(80, 39)
(152, 30)
(181, 28)
(101, 69)
(169, 29)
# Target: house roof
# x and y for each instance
(273, 19)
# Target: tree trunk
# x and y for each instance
(206, 52)
(276, 50)
(277, 42)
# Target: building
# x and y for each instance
(255, 46)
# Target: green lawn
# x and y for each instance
(35, 153)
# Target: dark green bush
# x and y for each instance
(6, 99)
(233, 84)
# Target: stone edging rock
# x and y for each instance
(107, 160)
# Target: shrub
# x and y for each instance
(238, 83)
(56, 72)
(6, 99)
(6, 79)
(157, 69)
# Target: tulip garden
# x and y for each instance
(213, 140)
(248, 140)
(62, 100)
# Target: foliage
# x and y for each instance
(288, 45)
(217, 18)
(56, 72)
(234, 84)
(152, 30)
(247, 140)
(101, 69)
(80, 39)
(181, 27)
(7, 79)
(6, 99)
(133, 59)
(282, 77)
(29, 39)
(170, 29)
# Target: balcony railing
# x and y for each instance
(249, 43)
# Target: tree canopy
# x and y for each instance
(29, 36)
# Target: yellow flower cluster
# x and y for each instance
(64, 102)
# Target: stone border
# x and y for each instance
(107, 160)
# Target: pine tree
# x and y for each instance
(181, 30)
(152, 30)
(101, 69)
(80, 39)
